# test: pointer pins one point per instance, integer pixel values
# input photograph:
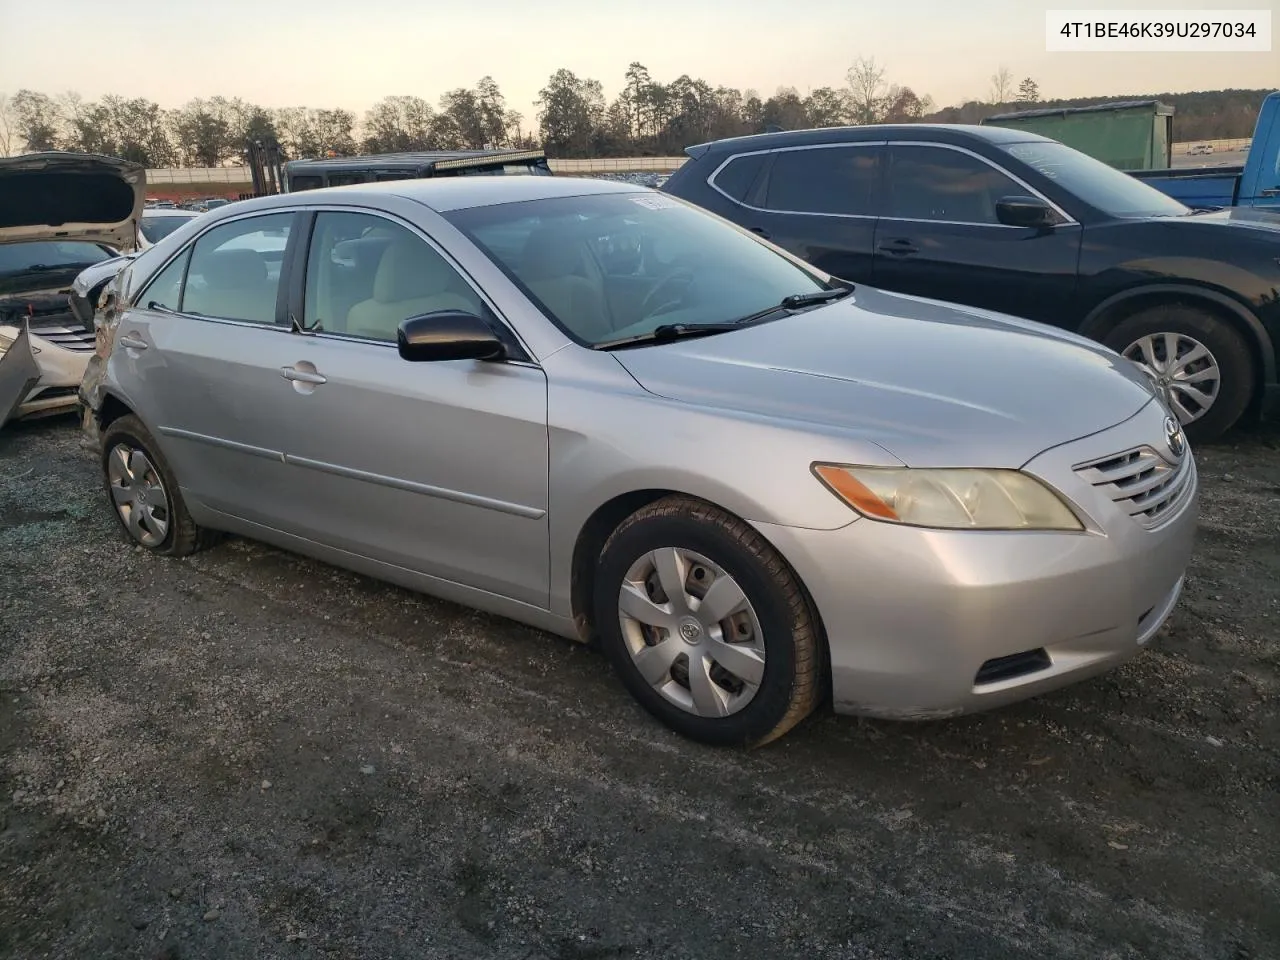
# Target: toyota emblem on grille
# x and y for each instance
(1173, 436)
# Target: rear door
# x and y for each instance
(819, 203)
(938, 236)
(201, 353)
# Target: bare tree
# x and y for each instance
(867, 90)
(8, 126)
(1001, 86)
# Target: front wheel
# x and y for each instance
(1201, 362)
(706, 625)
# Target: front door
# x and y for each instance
(938, 236)
(436, 467)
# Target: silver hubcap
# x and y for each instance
(139, 494)
(691, 632)
(1184, 368)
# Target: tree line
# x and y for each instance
(574, 118)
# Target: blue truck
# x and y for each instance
(1256, 184)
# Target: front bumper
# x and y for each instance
(924, 624)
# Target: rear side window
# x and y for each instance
(307, 182)
(833, 180)
(166, 289)
(235, 269)
(738, 175)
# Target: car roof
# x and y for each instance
(957, 133)
(444, 194)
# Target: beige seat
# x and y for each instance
(236, 287)
(549, 267)
(412, 279)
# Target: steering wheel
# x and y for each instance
(660, 300)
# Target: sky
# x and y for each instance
(340, 53)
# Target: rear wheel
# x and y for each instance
(706, 624)
(1201, 363)
(144, 492)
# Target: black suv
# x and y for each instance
(1020, 224)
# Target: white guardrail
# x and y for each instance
(604, 165)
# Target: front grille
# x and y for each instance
(1141, 482)
(69, 338)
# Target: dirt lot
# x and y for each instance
(249, 755)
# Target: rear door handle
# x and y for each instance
(133, 342)
(760, 232)
(302, 376)
(898, 248)
(1270, 192)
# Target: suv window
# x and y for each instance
(933, 183)
(839, 180)
(366, 274)
(739, 174)
(235, 269)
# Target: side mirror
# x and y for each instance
(1025, 212)
(448, 335)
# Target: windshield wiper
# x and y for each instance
(45, 267)
(676, 331)
(670, 331)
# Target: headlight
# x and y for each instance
(959, 499)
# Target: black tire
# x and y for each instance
(791, 685)
(1229, 349)
(183, 537)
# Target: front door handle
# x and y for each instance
(1270, 192)
(302, 376)
(132, 342)
(898, 248)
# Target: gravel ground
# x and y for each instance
(250, 755)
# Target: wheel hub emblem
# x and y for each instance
(141, 496)
(1174, 437)
(690, 631)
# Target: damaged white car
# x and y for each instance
(60, 213)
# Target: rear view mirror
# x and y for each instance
(1025, 212)
(448, 335)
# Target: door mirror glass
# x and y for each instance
(1025, 212)
(448, 335)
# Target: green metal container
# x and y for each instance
(1128, 135)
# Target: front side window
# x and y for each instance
(933, 183)
(235, 269)
(617, 265)
(366, 274)
(1102, 187)
(832, 180)
(305, 182)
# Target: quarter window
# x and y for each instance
(739, 174)
(836, 180)
(235, 269)
(931, 183)
(365, 275)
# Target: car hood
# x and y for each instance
(1246, 218)
(71, 196)
(934, 384)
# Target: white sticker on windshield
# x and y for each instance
(655, 202)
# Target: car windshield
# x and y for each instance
(49, 255)
(156, 229)
(1105, 188)
(611, 266)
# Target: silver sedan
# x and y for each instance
(595, 409)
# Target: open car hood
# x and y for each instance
(71, 196)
